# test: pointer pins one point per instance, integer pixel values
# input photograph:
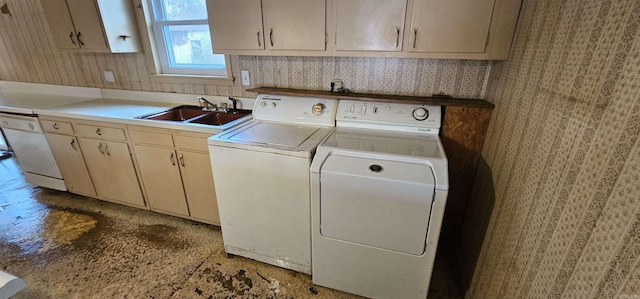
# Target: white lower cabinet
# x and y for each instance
(70, 160)
(176, 172)
(111, 168)
(167, 171)
(160, 175)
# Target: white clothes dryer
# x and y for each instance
(379, 189)
(262, 179)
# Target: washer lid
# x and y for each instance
(285, 135)
(270, 137)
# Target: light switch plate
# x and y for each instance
(109, 77)
(245, 78)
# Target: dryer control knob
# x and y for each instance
(318, 108)
(273, 104)
(263, 104)
(420, 114)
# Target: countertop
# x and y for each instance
(88, 104)
(125, 112)
(23, 98)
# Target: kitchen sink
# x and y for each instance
(196, 115)
(219, 118)
(180, 113)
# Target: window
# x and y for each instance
(181, 32)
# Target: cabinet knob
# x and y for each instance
(99, 132)
(124, 37)
(55, 126)
(258, 35)
(271, 36)
(71, 38)
(79, 39)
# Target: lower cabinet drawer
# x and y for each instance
(61, 127)
(102, 132)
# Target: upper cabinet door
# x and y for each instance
(59, 20)
(370, 25)
(460, 26)
(236, 24)
(295, 24)
(87, 21)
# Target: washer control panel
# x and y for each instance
(297, 110)
(389, 116)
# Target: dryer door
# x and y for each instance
(376, 202)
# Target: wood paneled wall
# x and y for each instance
(563, 157)
(27, 54)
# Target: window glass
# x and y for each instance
(181, 30)
(174, 10)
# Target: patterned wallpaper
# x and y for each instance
(563, 156)
(27, 55)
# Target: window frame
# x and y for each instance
(160, 56)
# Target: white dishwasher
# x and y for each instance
(379, 185)
(30, 146)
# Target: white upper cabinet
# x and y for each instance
(450, 26)
(447, 29)
(370, 25)
(92, 26)
(236, 24)
(276, 27)
(294, 24)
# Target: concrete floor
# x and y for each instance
(70, 246)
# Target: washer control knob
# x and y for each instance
(5, 123)
(31, 127)
(319, 108)
(363, 110)
(263, 104)
(388, 108)
(273, 104)
(420, 114)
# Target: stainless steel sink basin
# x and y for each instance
(177, 114)
(195, 114)
(219, 118)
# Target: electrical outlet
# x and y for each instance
(245, 78)
(109, 77)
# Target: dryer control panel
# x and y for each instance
(389, 116)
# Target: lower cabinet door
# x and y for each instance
(198, 186)
(124, 178)
(160, 175)
(98, 165)
(67, 152)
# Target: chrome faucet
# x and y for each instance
(206, 105)
(235, 104)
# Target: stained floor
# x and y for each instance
(69, 246)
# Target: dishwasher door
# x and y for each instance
(33, 152)
(24, 135)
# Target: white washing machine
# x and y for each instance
(379, 189)
(261, 173)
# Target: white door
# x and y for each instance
(236, 24)
(370, 25)
(294, 24)
(33, 152)
(376, 202)
(445, 26)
